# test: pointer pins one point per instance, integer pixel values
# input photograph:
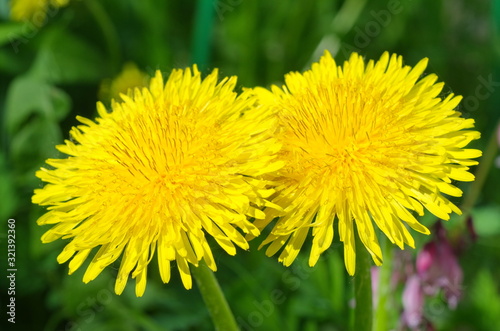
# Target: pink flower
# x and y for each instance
(413, 302)
(375, 279)
(438, 268)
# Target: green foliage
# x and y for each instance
(65, 58)
(7, 30)
(44, 101)
(33, 110)
(7, 190)
(485, 297)
(486, 220)
(52, 73)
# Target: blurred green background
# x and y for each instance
(57, 67)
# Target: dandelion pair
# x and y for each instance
(358, 145)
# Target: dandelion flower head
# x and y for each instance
(129, 78)
(365, 146)
(35, 10)
(168, 166)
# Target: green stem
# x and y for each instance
(202, 33)
(215, 301)
(337, 272)
(347, 16)
(384, 287)
(342, 23)
(363, 313)
(108, 29)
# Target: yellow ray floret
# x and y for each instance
(170, 165)
(365, 145)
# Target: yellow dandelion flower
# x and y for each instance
(35, 10)
(129, 78)
(364, 144)
(169, 165)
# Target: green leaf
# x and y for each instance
(486, 220)
(7, 191)
(10, 32)
(66, 58)
(28, 96)
(39, 136)
(33, 143)
(484, 295)
(12, 63)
